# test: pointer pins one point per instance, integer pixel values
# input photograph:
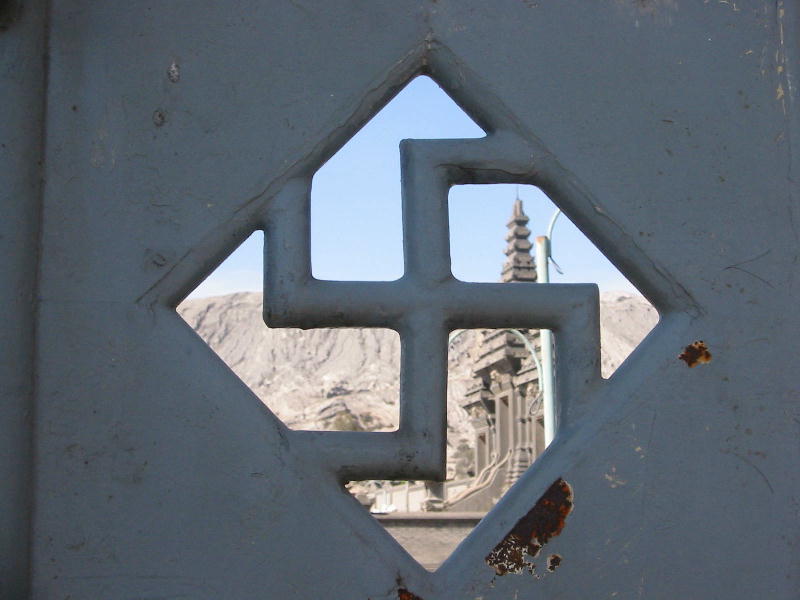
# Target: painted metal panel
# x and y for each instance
(22, 81)
(664, 129)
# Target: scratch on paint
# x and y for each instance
(613, 479)
(780, 59)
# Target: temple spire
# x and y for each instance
(519, 265)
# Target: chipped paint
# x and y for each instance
(553, 562)
(404, 594)
(543, 522)
(174, 72)
(695, 354)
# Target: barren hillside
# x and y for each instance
(348, 378)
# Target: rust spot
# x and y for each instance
(695, 354)
(544, 521)
(404, 594)
(553, 561)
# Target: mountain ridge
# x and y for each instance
(349, 378)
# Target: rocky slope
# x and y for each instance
(348, 378)
(625, 320)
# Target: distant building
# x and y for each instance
(504, 403)
(504, 406)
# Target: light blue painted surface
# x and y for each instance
(657, 127)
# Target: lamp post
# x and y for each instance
(546, 336)
(545, 366)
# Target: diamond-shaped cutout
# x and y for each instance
(517, 152)
(318, 382)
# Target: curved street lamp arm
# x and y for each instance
(553, 223)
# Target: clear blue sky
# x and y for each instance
(356, 219)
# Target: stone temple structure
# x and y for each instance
(505, 401)
(430, 519)
(504, 404)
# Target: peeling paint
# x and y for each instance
(404, 594)
(553, 562)
(174, 72)
(695, 354)
(543, 522)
